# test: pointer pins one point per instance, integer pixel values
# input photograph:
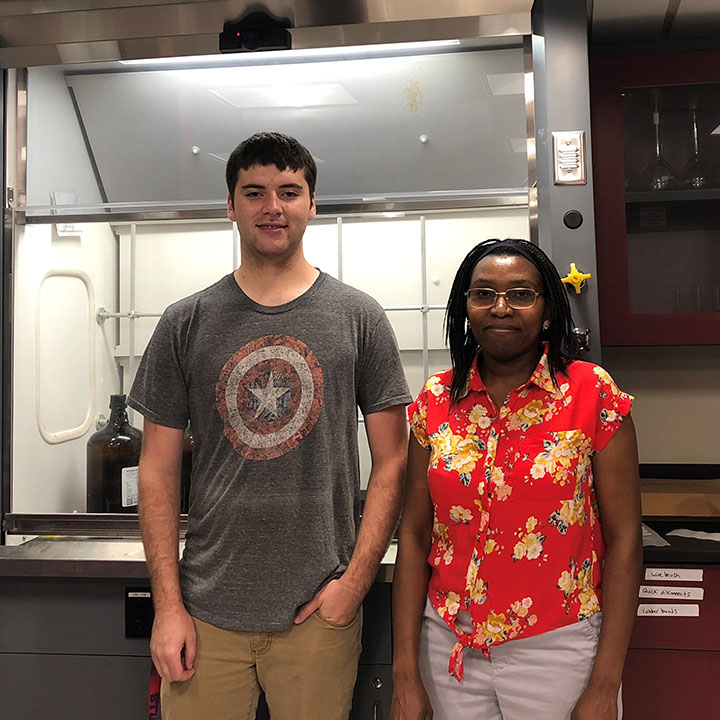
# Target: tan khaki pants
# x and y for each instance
(307, 673)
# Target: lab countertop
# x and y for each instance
(116, 558)
(684, 550)
(99, 558)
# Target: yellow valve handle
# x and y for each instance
(576, 278)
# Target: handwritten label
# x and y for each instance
(674, 574)
(668, 611)
(676, 593)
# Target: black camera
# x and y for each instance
(256, 31)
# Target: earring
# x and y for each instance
(546, 325)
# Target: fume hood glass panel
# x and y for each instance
(431, 125)
(87, 297)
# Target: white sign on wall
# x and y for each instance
(668, 611)
(676, 593)
(674, 574)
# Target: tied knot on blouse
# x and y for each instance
(516, 540)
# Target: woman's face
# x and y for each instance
(506, 333)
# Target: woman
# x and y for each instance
(520, 546)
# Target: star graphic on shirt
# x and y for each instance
(268, 396)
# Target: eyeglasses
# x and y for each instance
(516, 298)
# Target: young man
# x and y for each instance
(270, 365)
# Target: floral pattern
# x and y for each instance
(516, 540)
(460, 514)
(531, 541)
(571, 512)
(501, 627)
(565, 458)
(455, 453)
(577, 588)
(475, 586)
(442, 546)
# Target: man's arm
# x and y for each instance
(340, 599)
(159, 509)
(615, 470)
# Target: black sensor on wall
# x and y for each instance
(256, 31)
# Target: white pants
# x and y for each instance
(539, 677)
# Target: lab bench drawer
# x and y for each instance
(681, 684)
(69, 687)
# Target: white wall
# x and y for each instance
(677, 396)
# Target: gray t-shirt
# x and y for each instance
(272, 396)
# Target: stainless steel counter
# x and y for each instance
(67, 557)
(99, 558)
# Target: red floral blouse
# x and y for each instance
(516, 539)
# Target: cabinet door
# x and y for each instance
(656, 159)
(697, 631)
(373, 693)
(674, 659)
(671, 684)
(70, 687)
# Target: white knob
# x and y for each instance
(423, 139)
(435, 280)
(195, 150)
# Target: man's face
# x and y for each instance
(272, 208)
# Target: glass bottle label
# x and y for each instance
(129, 486)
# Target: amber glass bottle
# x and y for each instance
(113, 455)
(186, 469)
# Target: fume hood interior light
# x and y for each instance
(298, 96)
(301, 54)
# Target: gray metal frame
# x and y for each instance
(14, 169)
(530, 134)
(152, 212)
(562, 102)
(5, 235)
(77, 524)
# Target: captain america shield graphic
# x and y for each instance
(269, 396)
